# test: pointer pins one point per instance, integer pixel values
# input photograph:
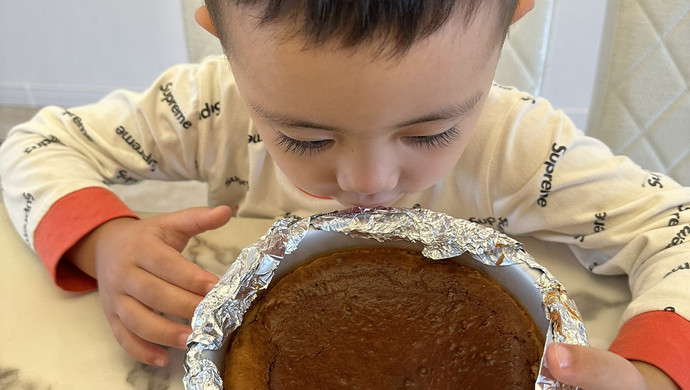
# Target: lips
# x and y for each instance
(314, 196)
(356, 200)
(359, 200)
(368, 201)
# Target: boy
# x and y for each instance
(334, 104)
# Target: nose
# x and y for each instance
(368, 172)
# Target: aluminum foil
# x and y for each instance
(438, 235)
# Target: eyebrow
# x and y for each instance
(450, 112)
(447, 113)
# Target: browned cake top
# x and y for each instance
(384, 318)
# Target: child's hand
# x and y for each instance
(595, 369)
(141, 273)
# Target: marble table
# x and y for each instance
(51, 339)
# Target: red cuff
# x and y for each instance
(68, 220)
(660, 338)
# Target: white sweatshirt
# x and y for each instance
(526, 171)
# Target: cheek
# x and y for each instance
(430, 167)
(426, 167)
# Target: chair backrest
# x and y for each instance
(524, 54)
(641, 107)
(200, 44)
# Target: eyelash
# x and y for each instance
(301, 147)
(435, 141)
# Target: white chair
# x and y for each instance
(524, 54)
(641, 107)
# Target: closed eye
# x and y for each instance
(291, 145)
(435, 141)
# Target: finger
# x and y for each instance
(190, 222)
(168, 264)
(161, 295)
(137, 347)
(152, 327)
(591, 368)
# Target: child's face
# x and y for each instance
(365, 130)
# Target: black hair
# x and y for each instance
(395, 25)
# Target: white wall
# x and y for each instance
(71, 52)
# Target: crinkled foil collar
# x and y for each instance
(440, 235)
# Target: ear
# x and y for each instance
(204, 19)
(523, 7)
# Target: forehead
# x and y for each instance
(354, 86)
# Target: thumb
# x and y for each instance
(215, 218)
(187, 223)
(591, 368)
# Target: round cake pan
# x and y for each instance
(290, 242)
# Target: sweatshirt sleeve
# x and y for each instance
(68, 220)
(57, 169)
(659, 338)
(554, 183)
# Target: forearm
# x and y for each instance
(84, 253)
(617, 219)
(655, 378)
(72, 218)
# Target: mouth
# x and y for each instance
(368, 201)
(314, 196)
(359, 200)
